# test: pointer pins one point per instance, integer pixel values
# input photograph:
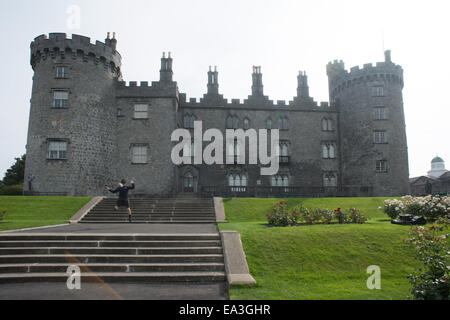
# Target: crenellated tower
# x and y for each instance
(71, 135)
(372, 125)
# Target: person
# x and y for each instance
(122, 189)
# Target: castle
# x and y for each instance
(88, 128)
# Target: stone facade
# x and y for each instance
(99, 129)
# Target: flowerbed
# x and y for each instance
(429, 207)
(281, 215)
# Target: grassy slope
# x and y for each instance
(27, 212)
(320, 261)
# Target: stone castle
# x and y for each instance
(88, 128)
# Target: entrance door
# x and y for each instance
(188, 182)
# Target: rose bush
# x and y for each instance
(430, 207)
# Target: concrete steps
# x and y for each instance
(154, 210)
(112, 257)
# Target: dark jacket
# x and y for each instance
(123, 191)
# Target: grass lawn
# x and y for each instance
(28, 212)
(320, 261)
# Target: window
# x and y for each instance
(379, 137)
(238, 182)
(329, 179)
(283, 123)
(246, 124)
(120, 112)
(234, 152)
(141, 111)
(381, 166)
(379, 113)
(378, 91)
(57, 150)
(60, 99)
(282, 150)
(327, 124)
(328, 150)
(280, 181)
(139, 154)
(189, 121)
(61, 72)
(189, 150)
(232, 122)
(269, 124)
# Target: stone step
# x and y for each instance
(111, 267)
(118, 258)
(168, 214)
(107, 236)
(110, 251)
(110, 243)
(146, 211)
(109, 277)
(150, 218)
(152, 221)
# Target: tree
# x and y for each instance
(15, 174)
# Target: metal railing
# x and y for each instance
(291, 191)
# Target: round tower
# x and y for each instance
(372, 126)
(71, 133)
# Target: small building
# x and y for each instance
(436, 182)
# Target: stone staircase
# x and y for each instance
(35, 257)
(154, 210)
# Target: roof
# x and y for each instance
(437, 159)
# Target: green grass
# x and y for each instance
(320, 261)
(28, 212)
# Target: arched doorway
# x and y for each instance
(188, 182)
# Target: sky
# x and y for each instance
(281, 36)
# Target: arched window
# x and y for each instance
(229, 123)
(331, 151)
(324, 124)
(284, 150)
(188, 121)
(328, 150)
(235, 122)
(238, 182)
(285, 125)
(329, 179)
(269, 124)
(324, 151)
(280, 181)
(327, 124)
(246, 124)
(330, 124)
(285, 181)
(231, 181)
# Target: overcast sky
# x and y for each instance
(283, 36)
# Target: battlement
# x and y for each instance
(339, 78)
(143, 89)
(58, 44)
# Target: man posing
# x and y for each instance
(122, 189)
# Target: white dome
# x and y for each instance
(437, 167)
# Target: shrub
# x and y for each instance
(341, 216)
(327, 216)
(393, 208)
(430, 207)
(431, 282)
(306, 215)
(15, 190)
(355, 216)
(280, 215)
